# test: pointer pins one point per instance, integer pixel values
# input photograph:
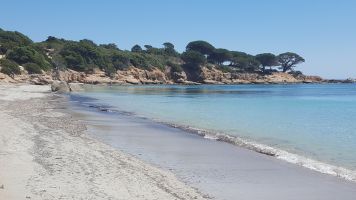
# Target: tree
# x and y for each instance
(168, 45)
(266, 60)
(193, 57)
(12, 39)
(52, 39)
(111, 46)
(169, 49)
(27, 54)
(289, 60)
(244, 61)
(220, 56)
(200, 46)
(148, 47)
(120, 60)
(137, 48)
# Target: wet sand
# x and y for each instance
(219, 169)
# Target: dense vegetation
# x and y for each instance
(85, 55)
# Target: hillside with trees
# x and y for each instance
(20, 53)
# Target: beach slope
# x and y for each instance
(45, 155)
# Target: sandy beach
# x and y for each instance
(50, 149)
(44, 154)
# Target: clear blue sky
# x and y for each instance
(322, 31)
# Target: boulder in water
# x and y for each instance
(60, 87)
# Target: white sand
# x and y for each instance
(44, 155)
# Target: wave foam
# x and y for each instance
(275, 152)
(254, 146)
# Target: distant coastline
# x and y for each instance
(25, 61)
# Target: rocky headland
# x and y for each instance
(135, 76)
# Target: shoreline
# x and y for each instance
(58, 158)
(218, 169)
(293, 158)
(45, 154)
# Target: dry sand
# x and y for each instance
(44, 154)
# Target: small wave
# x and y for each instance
(210, 137)
(251, 145)
(271, 151)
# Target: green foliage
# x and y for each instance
(110, 71)
(203, 47)
(138, 60)
(296, 73)
(168, 45)
(120, 60)
(266, 59)
(155, 51)
(58, 62)
(219, 56)
(109, 46)
(225, 69)
(10, 40)
(193, 57)
(148, 47)
(169, 49)
(28, 54)
(146, 61)
(85, 55)
(244, 62)
(136, 48)
(33, 68)
(289, 60)
(9, 67)
(174, 67)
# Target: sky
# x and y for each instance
(321, 31)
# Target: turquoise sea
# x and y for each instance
(313, 125)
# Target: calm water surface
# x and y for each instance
(317, 121)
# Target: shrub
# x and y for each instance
(9, 67)
(296, 73)
(27, 54)
(12, 39)
(110, 71)
(138, 60)
(225, 69)
(120, 60)
(174, 67)
(193, 57)
(33, 68)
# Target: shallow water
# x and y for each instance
(316, 121)
(221, 170)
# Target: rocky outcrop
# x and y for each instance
(40, 79)
(140, 76)
(310, 79)
(132, 75)
(76, 87)
(280, 77)
(60, 87)
(69, 76)
(6, 79)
